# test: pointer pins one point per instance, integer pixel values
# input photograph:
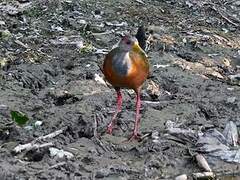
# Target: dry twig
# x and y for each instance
(34, 145)
(223, 16)
(30, 146)
(205, 175)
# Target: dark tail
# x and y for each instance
(141, 37)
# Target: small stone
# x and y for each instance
(202, 162)
(101, 173)
(82, 21)
(155, 135)
(60, 153)
(235, 77)
(231, 99)
(225, 30)
(57, 28)
(38, 123)
(181, 177)
(2, 23)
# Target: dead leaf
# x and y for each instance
(99, 79)
(153, 89)
(231, 133)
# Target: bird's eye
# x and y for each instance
(128, 42)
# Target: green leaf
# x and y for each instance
(19, 118)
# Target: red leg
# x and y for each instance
(119, 105)
(135, 134)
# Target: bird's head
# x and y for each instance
(128, 42)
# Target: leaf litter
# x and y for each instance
(50, 56)
(222, 145)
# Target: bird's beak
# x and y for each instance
(136, 45)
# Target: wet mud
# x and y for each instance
(50, 53)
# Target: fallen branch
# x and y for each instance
(151, 102)
(51, 135)
(21, 44)
(52, 167)
(30, 146)
(57, 165)
(35, 145)
(205, 175)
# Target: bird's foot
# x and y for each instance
(134, 136)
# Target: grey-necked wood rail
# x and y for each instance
(126, 66)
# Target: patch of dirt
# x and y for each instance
(50, 52)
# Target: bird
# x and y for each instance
(126, 66)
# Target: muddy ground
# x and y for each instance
(49, 57)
